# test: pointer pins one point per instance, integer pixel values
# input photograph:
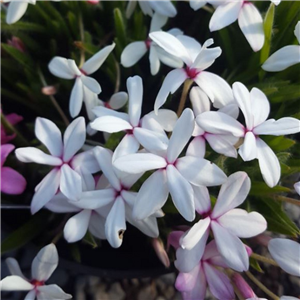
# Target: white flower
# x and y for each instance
(62, 157)
(297, 187)
(42, 268)
(227, 223)
(133, 52)
(287, 254)
(16, 9)
(256, 108)
(284, 57)
(165, 7)
(197, 59)
(84, 85)
(174, 175)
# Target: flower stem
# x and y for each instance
(261, 286)
(186, 88)
(264, 259)
(81, 29)
(287, 199)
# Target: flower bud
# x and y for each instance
(242, 286)
(16, 43)
(161, 252)
(49, 90)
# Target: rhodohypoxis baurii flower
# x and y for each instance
(12, 182)
(13, 119)
(284, 57)
(42, 267)
(287, 254)
(174, 175)
(84, 85)
(16, 9)
(297, 187)
(133, 52)
(193, 284)
(256, 108)
(165, 7)
(197, 59)
(62, 157)
(227, 223)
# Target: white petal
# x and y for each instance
(85, 160)
(44, 263)
(15, 11)
(59, 204)
(59, 67)
(152, 195)
(53, 291)
(96, 61)
(128, 145)
(76, 98)
(182, 193)
(157, 22)
(97, 226)
(115, 224)
(118, 100)
(135, 94)
(110, 124)
(76, 227)
(286, 254)
(282, 59)
(231, 248)
(31, 154)
(216, 88)
(248, 150)
(130, 8)
(139, 162)
(197, 147)
(232, 193)
(154, 61)
(260, 106)
(74, 138)
(243, 224)
(268, 163)
(49, 134)
(181, 134)
(90, 100)
(146, 8)
(101, 111)
(172, 82)
(297, 187)
(251, 24)
(165, 117)
(14, 267)
(199, 100)
(230, 109)
(70, 183)
(165, 8)
(15, 283)
(168, 59)
(297, 31)
(221, 144)
(132, 53)
(202, 199)
(192, 47)
(31, 295)
(91, 84)
(197, 4)
(225, 15)
(200, 171)
(73, 67)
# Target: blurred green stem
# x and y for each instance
(264, 259)
(287, 199)
(81, 29)
(186, 88)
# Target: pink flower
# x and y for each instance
(12, 182)
(13, 119)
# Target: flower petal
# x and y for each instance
(12, 182)
(192, 46)
(197, 4)
(297, 30)
(118, 100)
(202, 199)
(97, 226)
(166, 118)
(70, 183)
(199, 100)
(165, 8)
(91, 84)
(110, 124)
(53, 291)
(76, 98)
(154, 61)
(221, 144)
(14, 267)
(31, 295)
(15, 283)
(197, 147)
(85, 160)
(59, 67)
(260, 106)
(15, 11)
(247, 150)
(128, 145)
(158, 21)
(60, 204)
(135, 94)
(132, 53)
(5, 150)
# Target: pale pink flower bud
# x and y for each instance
(249, 250)
(242, 286)
(161, 252)
(16, 43)
(49, 90)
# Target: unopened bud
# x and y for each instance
(16, 43)
(161, 252)
(249, 250)
(244, 288)
(49, 90)
(93, 1)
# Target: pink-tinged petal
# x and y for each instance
(31, 295)
(282, 59)
(128, 145)
(154, 61)
(182, 193)
(115, 224)
(76, 227)
(14, 267)
(46, 190)
(225, 15)
(165, 8)
(170, 44)
(199, 171)
(104, 158)
(44, 263)
(31, 154)
(251, 24)
(132, 53)
(85, 160)
(247, 150)
(297, 187)
(232, 193)
(202, 199)
(231, 248)
(199, 100)
(59, 204)
(53, 291)
(186, 282)
(59, 67)
(15, 283)
(221, 144)
(96, 61)
(219, 284)
(76, 98)
(181, 134)
(49, 134)
(12, 182)
(15, 11)
(118, 100)
(220, 123)
(74, 138)
(172, 82)
(166, 118)
(4, 152)
(197, 147)
(215, 87)
(91, 84)
(282, 126)
(139, 162)
(97, 226)
(152, 195)
(243, 224)
(174, 239)
(70, 183)
(13, 118)
(135, 94)
(212, 255)
(243, 287)
(286, 254)
(110, 124)
(260, 106)
(268, 163)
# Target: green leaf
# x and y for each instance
(255, 265)
(25, 233)
(114, 140)
(89, 239)
(120, 27)
(259, 188)
(75, 253)
(22, 26)
(279, 143)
